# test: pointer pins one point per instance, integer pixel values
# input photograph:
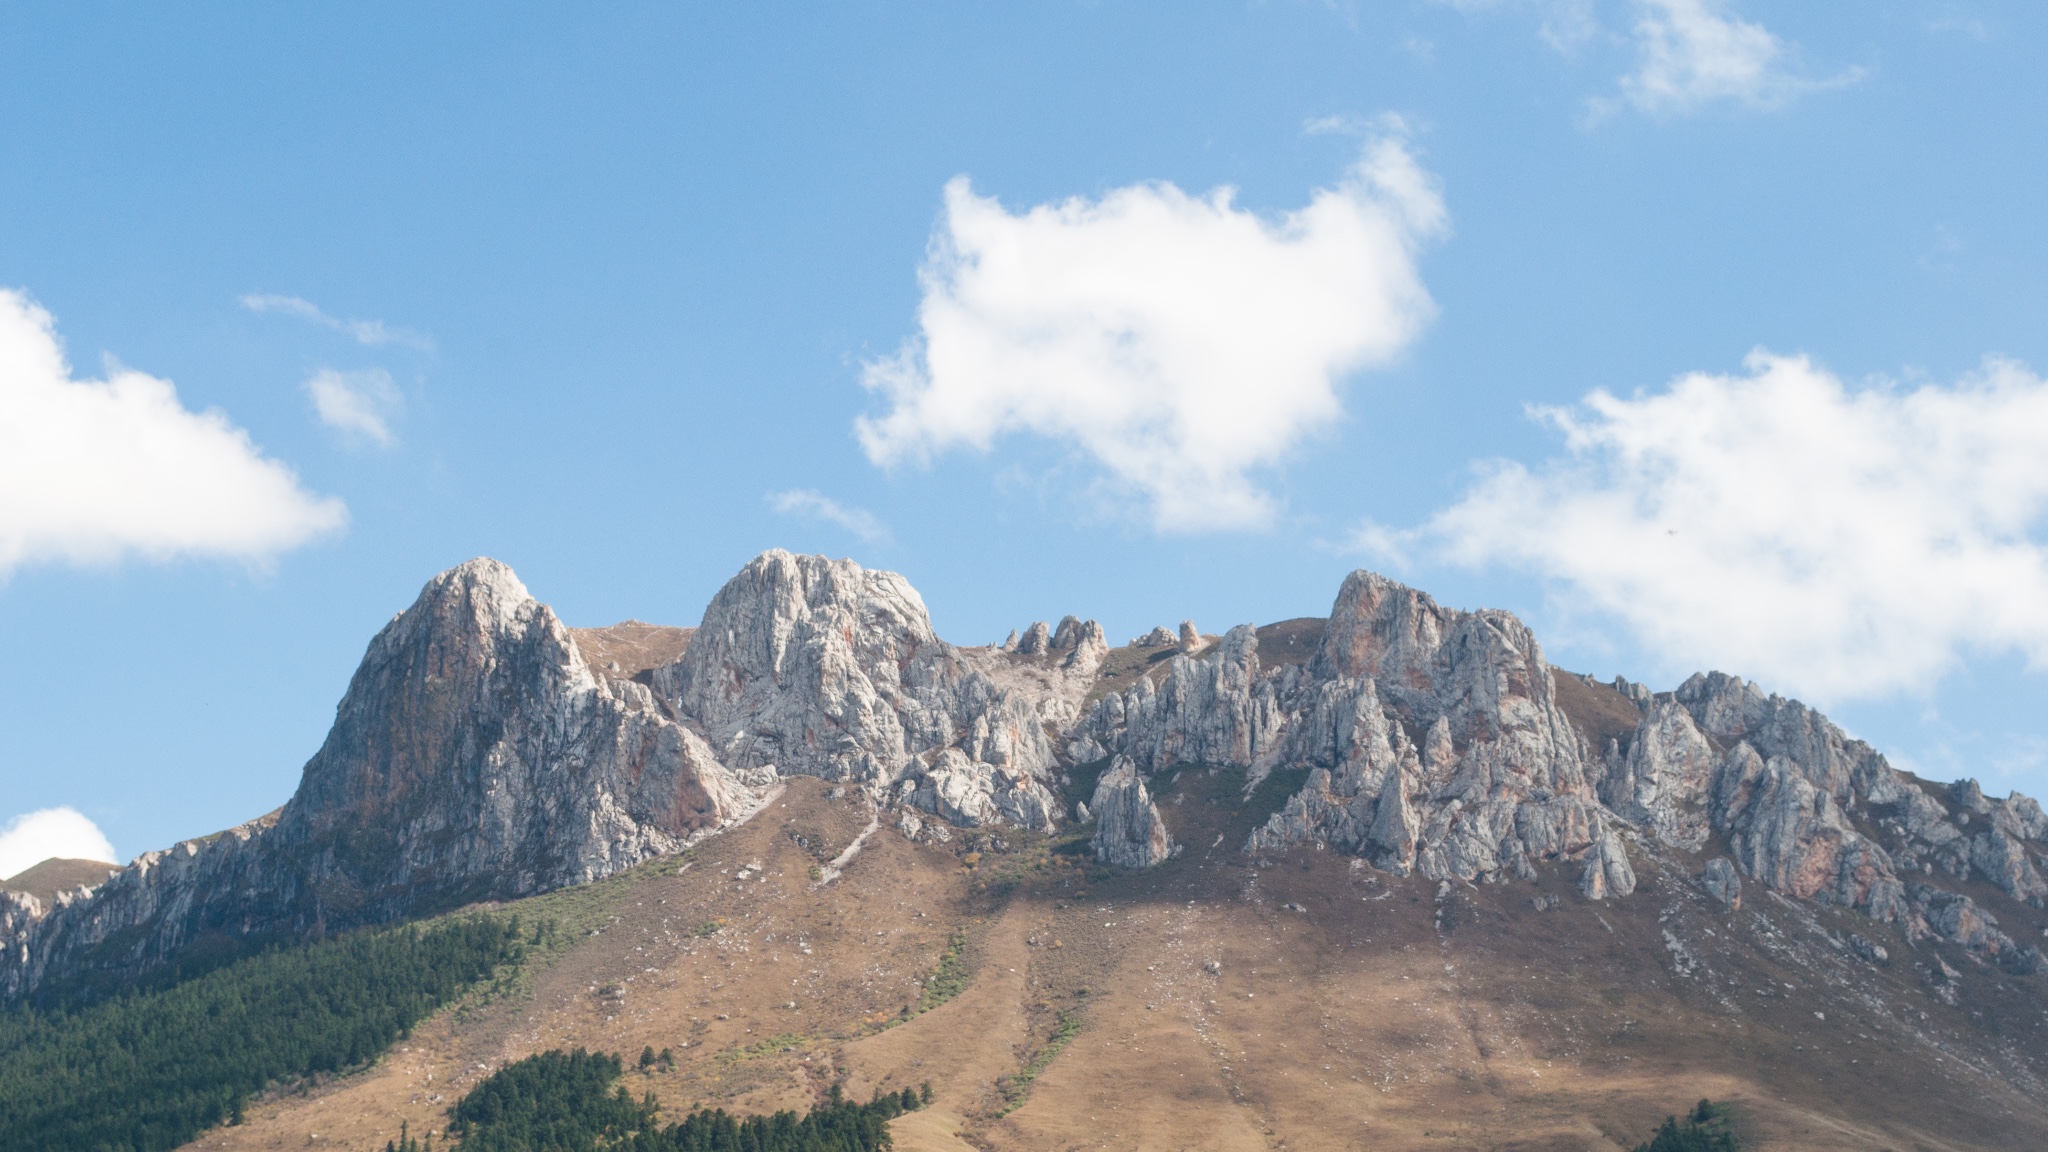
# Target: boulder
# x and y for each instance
(1722, 882)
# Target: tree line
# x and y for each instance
(150, 1069)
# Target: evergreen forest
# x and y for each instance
(567, 1102)
(150, 1069)
(1704, 1130)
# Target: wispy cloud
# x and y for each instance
(1339, 124)
(1688, 54)
(61, 833)
(373, 333)
(1694, 52)
(818, 506)
(1836, 542)
(360, 405)
(1180, 342)
(1971, 26)
(92, 471)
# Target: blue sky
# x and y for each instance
(623, 298)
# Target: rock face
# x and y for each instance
(1432, 739)
(1129, 831)
(476, 748)
(1808, 811)
(823, 668)
(479, 753)
(1661, 782)
(474, 756)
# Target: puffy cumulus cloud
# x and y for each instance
(1180, 341)
(1831, 541)
(63, 833)
(818, 506)
(359, 405)
(94, 470)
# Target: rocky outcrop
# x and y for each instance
(1661, 782)
(1802, 807)
(19, 912)
(1362, 795)
(474, 756)
(1432, 738)
(1434, 742)
(1607, 872)
(1129, 831)
(1207, 711)
(475, 748)
(805, 665)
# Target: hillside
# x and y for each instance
(1227, 1001)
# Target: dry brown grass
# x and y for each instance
(1598, 710)
(1377, 1015)
(634, 646)
(57, 874)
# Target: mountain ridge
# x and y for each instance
(478, 755)
(1387, 871)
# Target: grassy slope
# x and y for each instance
(1379, 1015)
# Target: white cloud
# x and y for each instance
(93, 470)
(803, 502)
(1179, 341)
(370, 332)
(65, 833)
(1833, 542)
(1694, 52)
(359, 405)
(1688, 53)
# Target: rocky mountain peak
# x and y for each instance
(474, 756)
(473, 638)
(810, 665)
(1375, 620)
(478, 755)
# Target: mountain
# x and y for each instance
(1386, 867)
